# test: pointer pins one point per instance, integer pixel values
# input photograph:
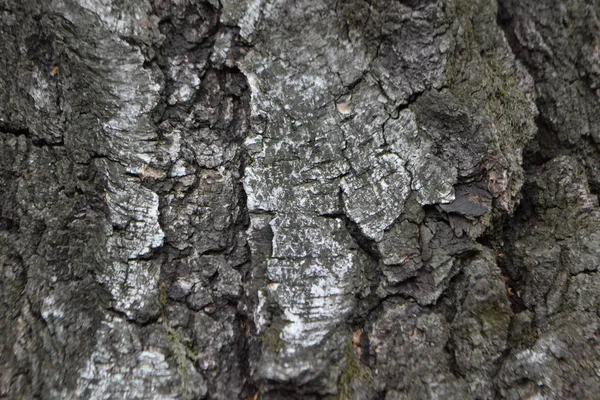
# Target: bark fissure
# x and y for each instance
(244, 199)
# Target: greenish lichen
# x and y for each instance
(496, 318)
(354, 371)
(184, 355)
(478, 72)
(506, 102)
(271, 338)
(482, 75)
(162, 296)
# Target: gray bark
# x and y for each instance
(307, 199)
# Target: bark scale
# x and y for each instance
(299, 199)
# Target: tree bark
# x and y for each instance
(307, 199)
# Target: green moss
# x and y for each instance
(186, 344)
(478, 72)
(162, 296)
(481, 74)
(184, 355)
(354, 371)
(506, 102)
(182, 349)
(497, 318)
(271, 338)
(15, 291)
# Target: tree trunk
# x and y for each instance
(302, 199)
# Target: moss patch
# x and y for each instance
(479, 70)
(182, 349)
(185, 355)
(271, 338)
(162, 296)
(354, 371)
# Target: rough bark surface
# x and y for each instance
(301, 199)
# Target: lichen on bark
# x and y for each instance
(303, 199)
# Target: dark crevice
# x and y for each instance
(448, 303)
(367, 245)
(549, 142)
(590, 272)
(544, 147)
(11, 129)
(412, 99)
(514, 285)
(220, 85)
(499, 362)
(453, 364)
(9, 225)
(499, 241)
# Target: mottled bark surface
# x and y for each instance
(299, 199)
